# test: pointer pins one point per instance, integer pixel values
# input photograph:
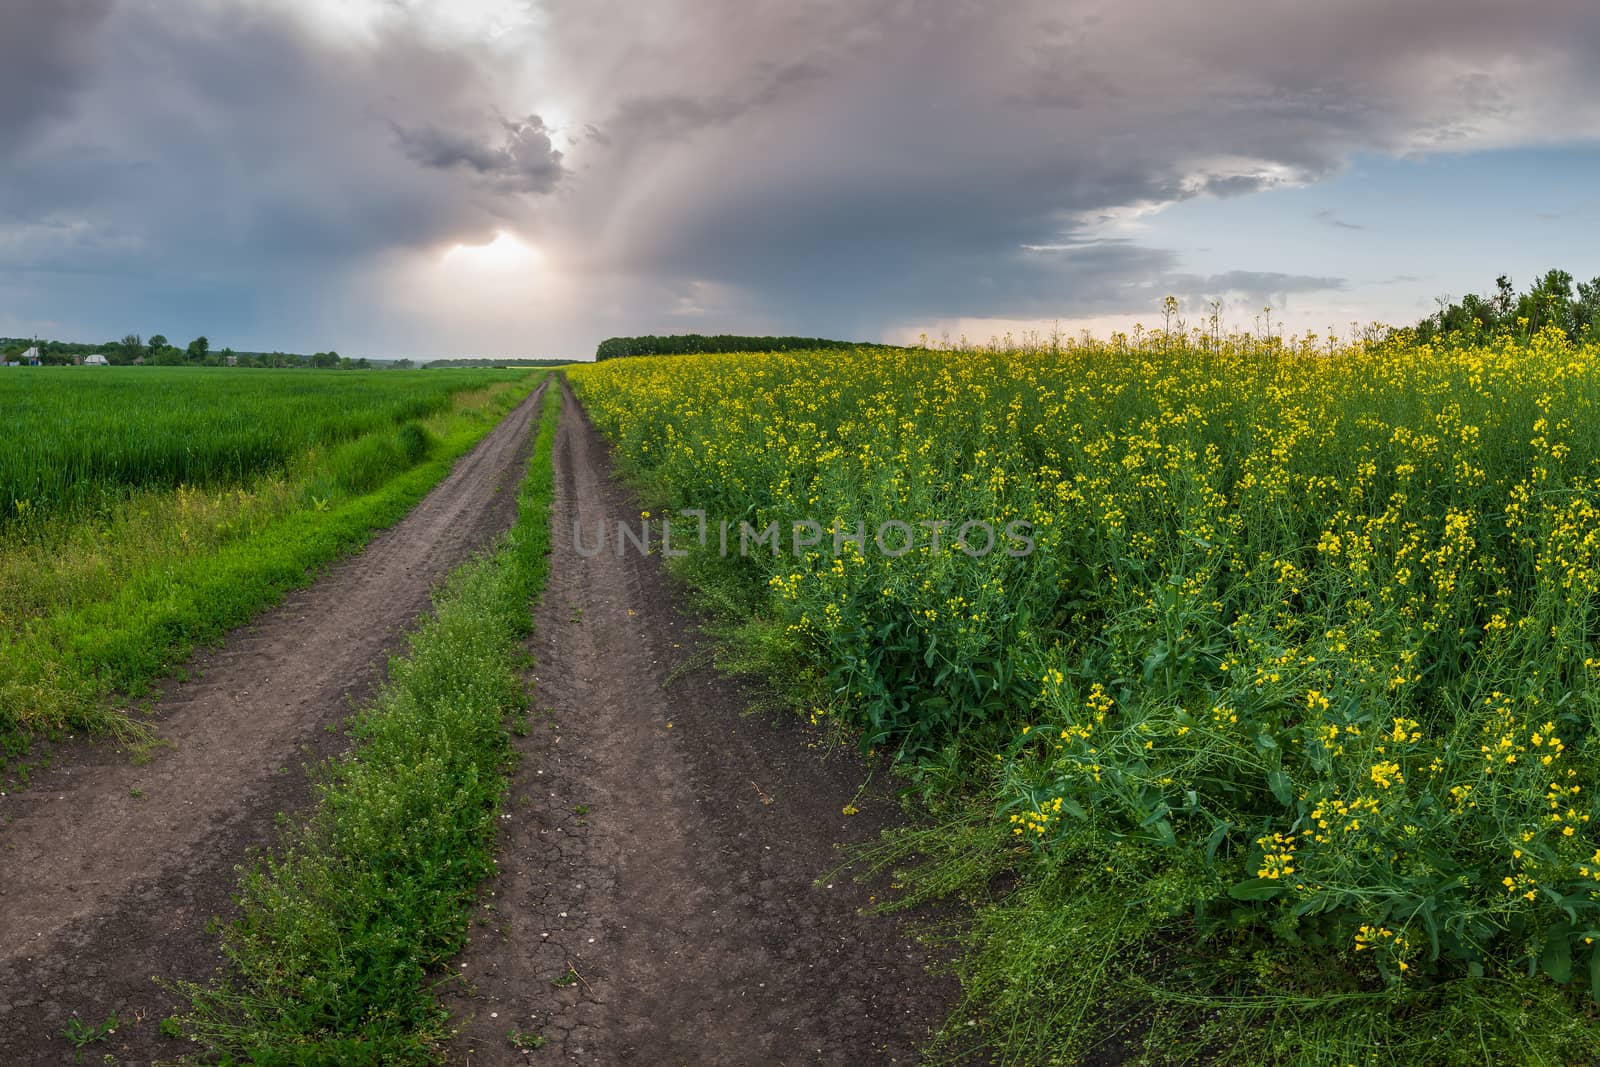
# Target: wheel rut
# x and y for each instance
(658, 900)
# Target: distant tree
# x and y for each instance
(1505, 296)
(1476, 313)
(402, 364)
(677, 344)
(130, 348)
(198, 350)
(1550, 302)
(485, 362)
(161, 352)
(1586, 309)
(325, 360)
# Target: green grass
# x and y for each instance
(1095, 958)
(79, 441)
(96, 604)
(342, 925)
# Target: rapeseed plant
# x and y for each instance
(1319, 621)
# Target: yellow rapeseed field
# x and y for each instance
(1314, 622)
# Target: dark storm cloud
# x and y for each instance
(674, 116)
(212, 140)
(927, 147)
(838, 165)
(521, 159)
(46, 57)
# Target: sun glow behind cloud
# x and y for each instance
(503, 255)
(494, 298)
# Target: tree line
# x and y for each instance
(485, 361)
(686, 343)
(1552, 300)
(133, 350)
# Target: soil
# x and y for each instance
(665, 894)
(111, 869)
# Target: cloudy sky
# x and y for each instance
(525, 177)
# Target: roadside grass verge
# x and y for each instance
(340, 927)
(103, 607)
(1095, 958)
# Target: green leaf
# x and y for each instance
(1318, 903)
(1155, 660)
(1281, 787)
(1432, 926)
(1256, 889)
(1155, 816)
(1219, 832)
(1557, 958)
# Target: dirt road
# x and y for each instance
(657, 903)
(110, 871)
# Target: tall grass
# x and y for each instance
(1304, 658)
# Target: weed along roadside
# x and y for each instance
(341, 924)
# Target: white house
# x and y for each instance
(31, 356)
(96, 360)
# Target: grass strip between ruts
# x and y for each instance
(340, 927)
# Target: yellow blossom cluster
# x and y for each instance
(1335, 605)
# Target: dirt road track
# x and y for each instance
(109, 871)
(656, 903)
